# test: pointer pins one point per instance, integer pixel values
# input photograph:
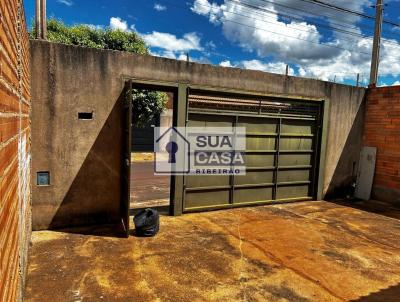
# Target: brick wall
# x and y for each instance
(14, 149)
(382, 130)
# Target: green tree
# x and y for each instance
(146, 104)
(144, 109)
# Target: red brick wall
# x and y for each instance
(14, 149)
(382, 130)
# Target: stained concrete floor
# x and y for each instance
(315, 251)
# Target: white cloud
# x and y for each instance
(95, 26)
(203, 7)
(397, 83)
(117, 23)
(274, 67)
(351, 62)
(164, 53)
(305, 9)
(66, 2)
(263, 32)
(226, 63)
(179, 56)
(182, 57)
(169, 54)
(169, 42)
(159, 7)
(297, 42)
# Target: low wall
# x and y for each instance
(84, 157)
(382, 130)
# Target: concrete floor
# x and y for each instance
(373, 206)
(314, 251)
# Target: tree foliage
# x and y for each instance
(146, 104)
(94, 37)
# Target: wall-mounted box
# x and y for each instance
(43, 178)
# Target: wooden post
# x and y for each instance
(41, 21)
(377, 44)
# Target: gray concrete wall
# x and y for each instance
(84, 156)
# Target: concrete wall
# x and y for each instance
(382, 130)
(68, 79)
(14, 149)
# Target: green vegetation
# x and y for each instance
(90, 36)
(146, 104)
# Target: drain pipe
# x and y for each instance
(41, 22)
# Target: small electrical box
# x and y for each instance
(43, 178)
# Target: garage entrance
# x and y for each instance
(284, 155)
(283, 147)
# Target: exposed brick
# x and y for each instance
(8, 209)
(382, 130)
(14, 123)
(9, 217)
(8, 71)
(9, 127)
(8, 153)
(9, 100)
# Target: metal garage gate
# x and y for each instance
(282, 151)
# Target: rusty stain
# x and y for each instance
(315, 251)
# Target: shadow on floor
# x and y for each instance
(164, 210)
(104, 230)
(371, 206)
(390, 294)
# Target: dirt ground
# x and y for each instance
(314, 251)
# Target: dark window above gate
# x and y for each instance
(254, 104)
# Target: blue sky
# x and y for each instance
(266, 35)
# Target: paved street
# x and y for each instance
(147, 189)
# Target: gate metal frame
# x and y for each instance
(180, 119)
